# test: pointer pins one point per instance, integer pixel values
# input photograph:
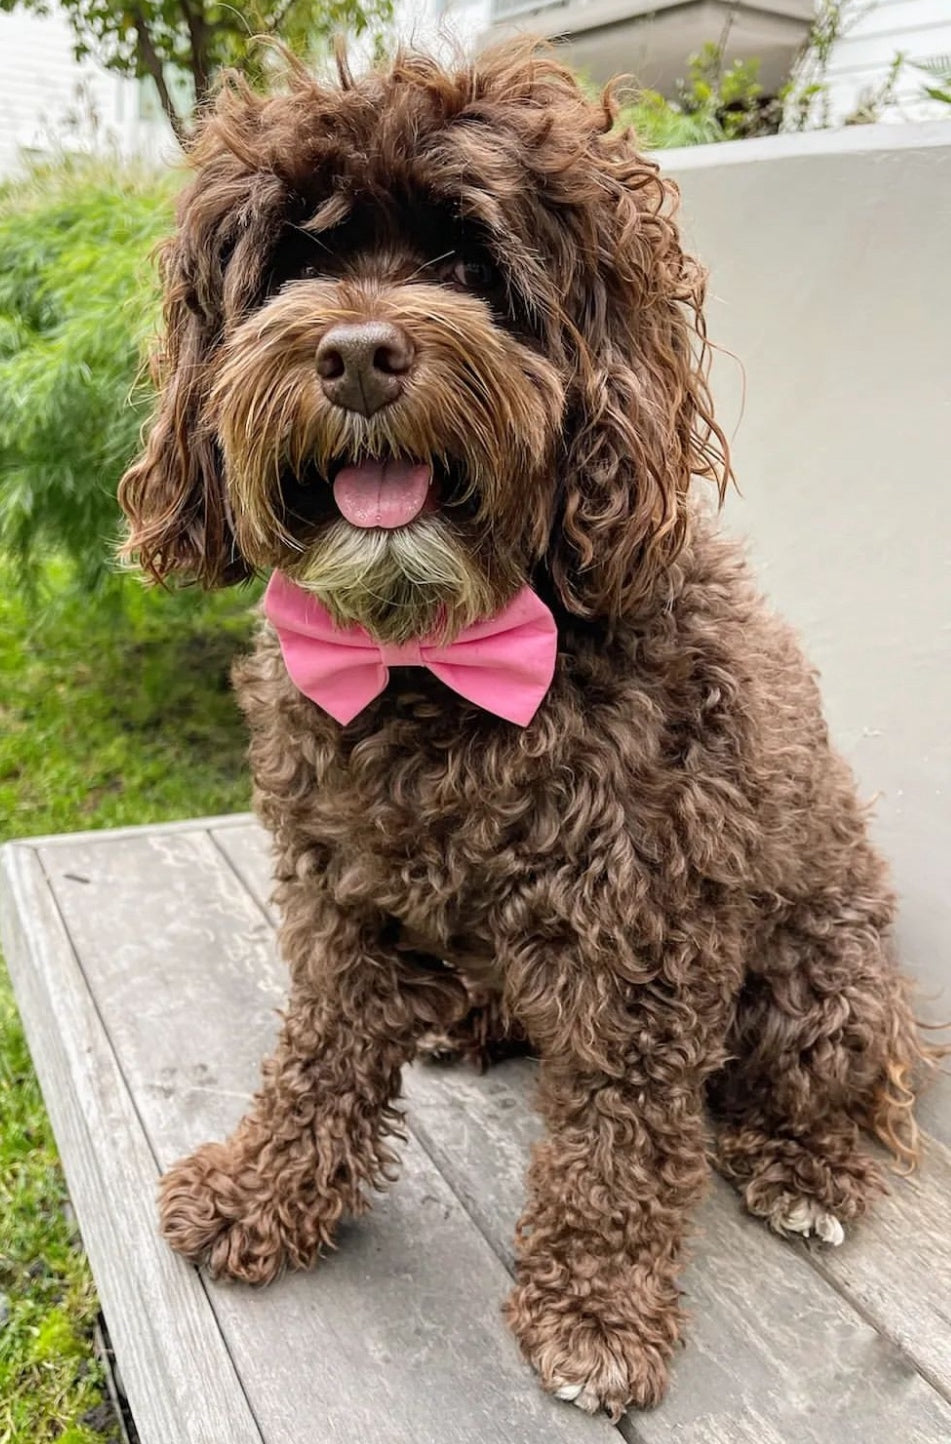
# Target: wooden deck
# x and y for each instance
(145, 968)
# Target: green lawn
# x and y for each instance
(107, 717)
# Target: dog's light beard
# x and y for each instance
(405, 584)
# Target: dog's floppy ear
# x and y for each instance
(640, 420)
(173, 495)
(212, 273)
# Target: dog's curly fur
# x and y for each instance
(665, 881)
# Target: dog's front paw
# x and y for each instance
(213, 1210)
(805, 1218)
(585, 1360)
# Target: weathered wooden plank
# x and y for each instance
(767, 1340)
(508, 1126)
(479, 1130)
(751, 1429)
(897, 1267)
(767, 1336)
(180, 1380)
(157, 920)
(397, 1336)
(247, 848)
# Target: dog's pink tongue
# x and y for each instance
(382, 493)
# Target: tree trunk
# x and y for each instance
(198, 31)
(152, 63)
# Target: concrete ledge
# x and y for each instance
(850, 140)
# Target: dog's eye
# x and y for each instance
(473, 273)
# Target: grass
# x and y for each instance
(107, 716)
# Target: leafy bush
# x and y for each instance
(77, 302)
(716, 102)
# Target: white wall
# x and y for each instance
(860, 60)
(442, 24)
(830, 283)
(49, 101)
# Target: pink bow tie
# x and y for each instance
(504, 665)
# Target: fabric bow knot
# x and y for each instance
(503, 664)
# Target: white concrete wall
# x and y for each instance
(831, 284)
(860, 60)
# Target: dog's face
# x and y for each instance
(427, 333)
(388, 421)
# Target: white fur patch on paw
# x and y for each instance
(583, 1396)
(607, 1383)
(807, 1218)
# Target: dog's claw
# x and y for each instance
(806, 1218)
(830, 1230)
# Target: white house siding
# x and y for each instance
(49, 102)
(860, 60)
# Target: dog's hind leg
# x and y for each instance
(823, 1044)
(316, 1139)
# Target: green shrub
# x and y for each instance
(77, 303)
(716, 102)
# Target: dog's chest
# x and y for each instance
(436, 835)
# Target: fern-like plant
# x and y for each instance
(77, 301)
(939, 68)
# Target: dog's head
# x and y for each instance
(427, 333)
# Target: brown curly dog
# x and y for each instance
(665, 878)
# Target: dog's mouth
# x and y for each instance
(385, 492)
(394, 543)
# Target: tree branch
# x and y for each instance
(153, 64)
(198, 30)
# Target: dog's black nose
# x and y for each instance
(362, 367)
